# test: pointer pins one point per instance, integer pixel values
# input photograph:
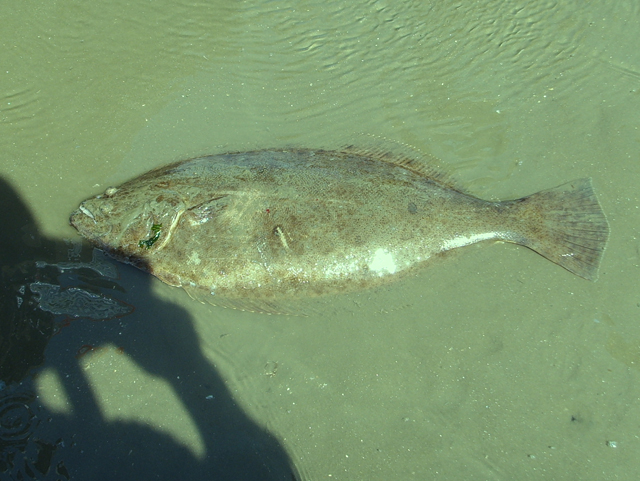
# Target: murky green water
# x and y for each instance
(492, 365)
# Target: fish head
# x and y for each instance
(128, 224)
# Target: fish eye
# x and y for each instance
(106, 207)
(86, 211)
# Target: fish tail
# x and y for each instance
(565, 224)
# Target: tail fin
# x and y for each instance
(566, 225)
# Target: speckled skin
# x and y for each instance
(276, 224)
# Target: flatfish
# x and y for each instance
(252, 230)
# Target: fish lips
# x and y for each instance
(88, 224)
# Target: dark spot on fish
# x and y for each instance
(412, 208)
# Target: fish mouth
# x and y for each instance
(87, 223)
(80, 217)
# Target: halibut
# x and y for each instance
(252, 230)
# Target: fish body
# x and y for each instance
(250, 229)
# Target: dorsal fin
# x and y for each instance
(402, 155)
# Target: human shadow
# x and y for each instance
(79, 442)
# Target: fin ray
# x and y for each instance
(566, 225)
(261, 306)
(402, 155)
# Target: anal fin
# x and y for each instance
(262, 306)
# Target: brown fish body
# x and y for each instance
(250, 229)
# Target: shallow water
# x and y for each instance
(492, 364)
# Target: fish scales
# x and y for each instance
(249, 229)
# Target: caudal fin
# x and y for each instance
(566, 225)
